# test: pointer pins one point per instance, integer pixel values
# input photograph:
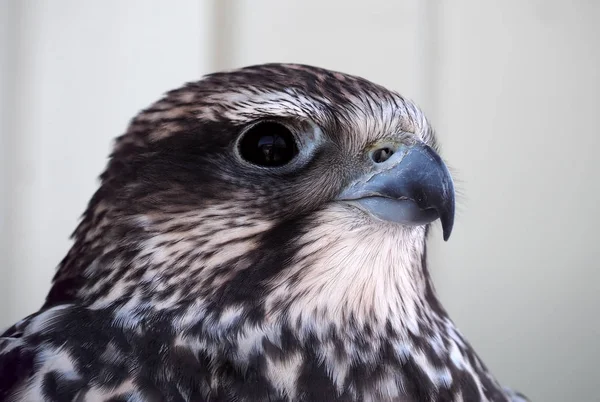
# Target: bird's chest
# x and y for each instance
(344, 372)
(274, 366)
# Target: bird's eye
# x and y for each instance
(268, 144)
(382, 154)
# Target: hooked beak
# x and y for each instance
(412, 187)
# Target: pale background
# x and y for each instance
(512, 86)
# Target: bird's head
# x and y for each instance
(270, 191)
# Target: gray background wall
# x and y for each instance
(512, 86)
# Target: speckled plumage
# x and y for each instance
(196, 276)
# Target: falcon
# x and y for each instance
(258, 235)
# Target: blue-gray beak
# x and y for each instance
(412, 187)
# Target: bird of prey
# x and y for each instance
(258, 235)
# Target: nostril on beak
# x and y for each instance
(382, 154)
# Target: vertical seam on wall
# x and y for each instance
(9, 150)
(223, 22)
(429, 55)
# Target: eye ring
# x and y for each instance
(268, 144)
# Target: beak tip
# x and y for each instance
(447, 224)
(446, 236)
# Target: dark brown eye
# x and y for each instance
(268, 144)
(382, 154)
